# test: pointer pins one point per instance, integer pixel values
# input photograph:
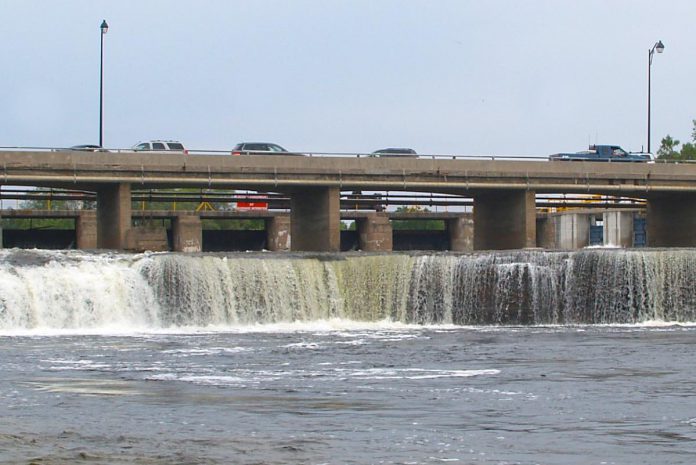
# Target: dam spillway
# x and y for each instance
(82, 291)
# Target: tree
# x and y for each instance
(417, 224)
(668, 147)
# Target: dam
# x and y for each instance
(74, 290)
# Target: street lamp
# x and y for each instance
(104, 27)
(659, 47)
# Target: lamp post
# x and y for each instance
(659, 47)
(104, 27)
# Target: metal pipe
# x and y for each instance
(12, 179)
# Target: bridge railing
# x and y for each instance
(318, 154)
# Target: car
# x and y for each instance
(261, 148)
(605, 153)
(87, 148)
(394, 152)
(82, 148)
(160, 146)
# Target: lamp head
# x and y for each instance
(659, 46)
(104, 27)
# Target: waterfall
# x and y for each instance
(76, 290)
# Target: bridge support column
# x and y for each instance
(618, 228)
(671, 221)
(546, 231)
(461, 234)
(572, 231)
(187, 233)
(113, 216)
(504, 220)
(375, 233)
(315, 220)
(86, 230)
(278, 233)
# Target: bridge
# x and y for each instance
(503, 192)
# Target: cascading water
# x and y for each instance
(74, 290)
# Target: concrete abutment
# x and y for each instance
(504, 220)
(461, 233)
(375, 233)
(278, 233)
(315, 220)
(671, 220)
(86, 230)
(113, 216)
(187, 233)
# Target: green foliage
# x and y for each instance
(48, 223)
(244, 225)
(417, 224)
(669, 148)
(36, 223)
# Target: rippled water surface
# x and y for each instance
(352, 395)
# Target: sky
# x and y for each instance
(495, 77)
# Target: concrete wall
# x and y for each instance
(113, 216)
(546, 232)
(187, 233)
(671, 220)
(618, 228)
(375, 233)
(147, 238)
(278, 233)
(86, 230)
(572, 230)
(461, 233)
(315, 220)
(504, 220)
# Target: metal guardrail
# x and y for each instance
(320, 154)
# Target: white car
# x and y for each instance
(160, 146)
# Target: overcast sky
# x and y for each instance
(468, 77)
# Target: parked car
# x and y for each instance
(610, 153)
(261, 148)
(160, 146)
(84, 148)
(395, 152)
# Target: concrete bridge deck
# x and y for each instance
(288, 173)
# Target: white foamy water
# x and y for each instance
(45, 292)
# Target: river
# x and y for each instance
(506, 358)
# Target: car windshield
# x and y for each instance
(176, 146)
(276, 148)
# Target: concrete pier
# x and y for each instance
(315, 220)
(187, 233)
(149, 237)
(375, 233)
(461, 233)
(671, 220)
(572, 231)
(504, 220)
(86, 230)
(278, 233)
(618, 228)
(113, 216)
(546, 231)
